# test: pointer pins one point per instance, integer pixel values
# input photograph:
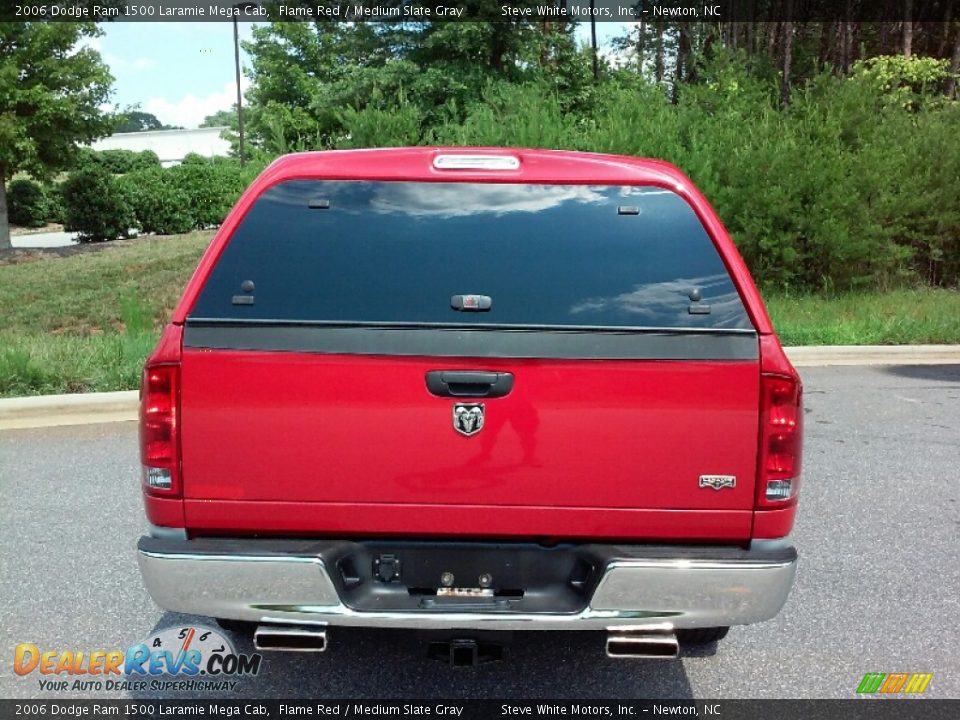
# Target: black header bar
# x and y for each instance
(145, 708)
(511, 11)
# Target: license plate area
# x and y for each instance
(466, 577)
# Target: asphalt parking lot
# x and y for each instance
(878, 588)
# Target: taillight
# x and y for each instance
(781, 440)
(159, 445)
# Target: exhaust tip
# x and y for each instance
(290, 638)
(643, 646)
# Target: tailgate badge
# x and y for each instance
(718, 482)
(468, 418)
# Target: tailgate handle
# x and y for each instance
(461, 383)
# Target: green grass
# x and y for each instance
(87, 321)
(897, 317)
(83, 293)
(44, 364)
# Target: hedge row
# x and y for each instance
(193, 195)
(117, 162)
(855, 185)
(33, 205)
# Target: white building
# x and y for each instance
(171, 146)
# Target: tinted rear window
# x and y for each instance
(546, 255)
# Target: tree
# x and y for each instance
(787, 66)
(306, 76)
(908, 28)
(51, 90)
(136, 121)
(221, 118)
(954, 66)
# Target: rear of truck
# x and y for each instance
(471, 390)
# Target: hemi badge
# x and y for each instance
(718, 482)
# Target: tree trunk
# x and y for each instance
(684, 48)
(658, 59)
(4, 218)
(593, 40)
(951, 87)
(683, 60)
(825, 52)
(908, 28)
(787, 57)
(545, 44)
(497, 47)
(641, 46)
(847, 29)
(948, 16)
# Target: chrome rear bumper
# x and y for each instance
(267, 581)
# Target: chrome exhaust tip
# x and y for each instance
(643, 644)
(290, 638)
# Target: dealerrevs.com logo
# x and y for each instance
(183, 658)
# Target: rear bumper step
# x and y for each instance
(626, 587)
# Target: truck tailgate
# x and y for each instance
(355, 431)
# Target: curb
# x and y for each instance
(79, 409)
(83, 409)
(827, 355)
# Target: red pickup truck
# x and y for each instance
(471, 390)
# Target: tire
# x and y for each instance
(701, 636)
(240, 627)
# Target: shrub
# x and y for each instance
(910, 82)
(159, 205)
(195, 159)
(145, 160)
(513, 116)
(86, 157)
(96, 205)
(210, 188)
(117, 162)
(54, 210)
(26, 203)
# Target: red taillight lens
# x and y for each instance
(781, 440)
(159, 446)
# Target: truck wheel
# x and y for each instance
(241, 627)
(702, 636)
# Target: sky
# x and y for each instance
(182, 72)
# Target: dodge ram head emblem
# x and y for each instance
(718, 482)
(468, 418)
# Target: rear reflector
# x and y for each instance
(157, 478)
(476, 162)
(159, 453)
(779, 489)
(781, 436)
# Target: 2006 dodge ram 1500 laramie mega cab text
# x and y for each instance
(470, 390)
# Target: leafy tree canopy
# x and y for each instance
(51, 90)
(133, 120)
(221, 118)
